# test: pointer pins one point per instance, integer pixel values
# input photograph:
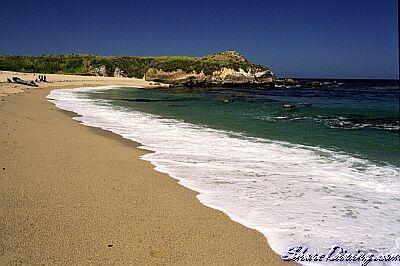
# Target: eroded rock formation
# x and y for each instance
(233, 69)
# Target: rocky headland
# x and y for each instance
(225, 68)
(228, 68)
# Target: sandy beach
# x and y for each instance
(77, 195)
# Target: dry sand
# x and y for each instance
(58, 81)
(74, 194)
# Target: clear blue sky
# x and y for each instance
(296, 38)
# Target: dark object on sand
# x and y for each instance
(9, 80)
(42, 78)
(24, 82)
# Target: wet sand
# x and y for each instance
(75, 194)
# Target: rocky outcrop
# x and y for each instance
(101, 71)
(119, 73)
(225, 68)
(174, 77)
(220, 77)
(228, 68)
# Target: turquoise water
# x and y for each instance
(322, 173)
(360, 118)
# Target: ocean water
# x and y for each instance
(325, 172)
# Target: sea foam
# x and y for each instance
(292, 194)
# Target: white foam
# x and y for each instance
(292, 194)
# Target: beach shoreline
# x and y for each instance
(76, 194)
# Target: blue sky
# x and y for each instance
(302, 38)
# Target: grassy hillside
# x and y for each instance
(133, 66)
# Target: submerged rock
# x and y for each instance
(288, 106)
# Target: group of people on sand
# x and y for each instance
(41, 78)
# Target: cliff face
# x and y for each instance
(229, 68)
(220, 77)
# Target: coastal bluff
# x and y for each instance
(226, 68)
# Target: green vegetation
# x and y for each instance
(132, 66)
